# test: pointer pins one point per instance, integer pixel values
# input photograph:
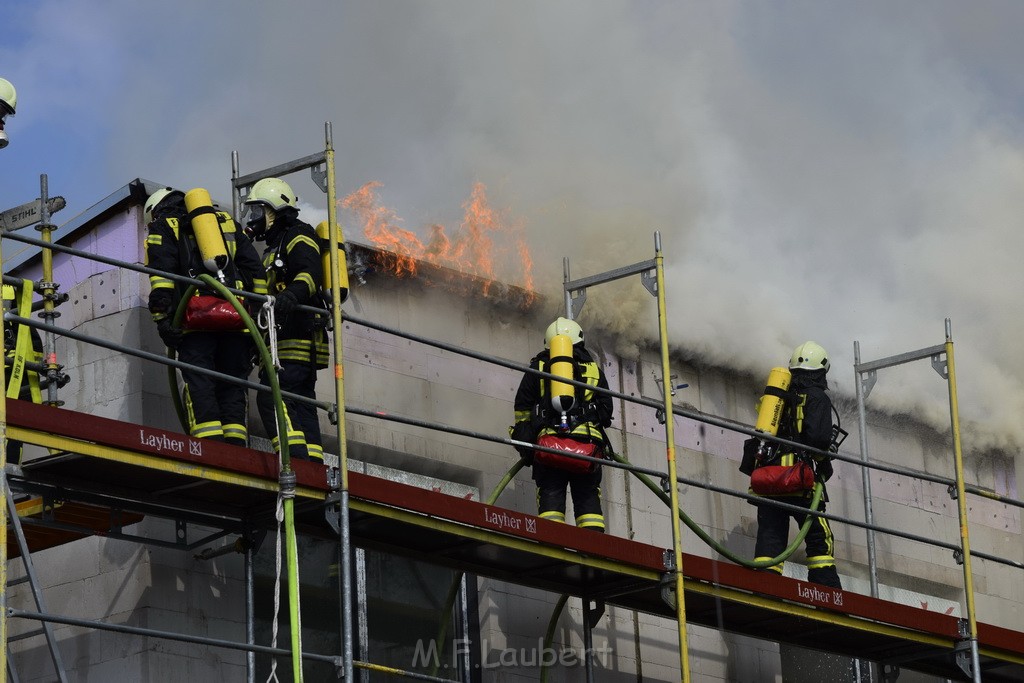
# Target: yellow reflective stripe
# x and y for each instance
(315, 451)
(160, 282)
(155, 239)
(259, 285)
(820, 562)
(307, 279)
(296, 344)
(590, 376)
(202, 429)
(590, 521)
(586, 430)
(302, 239)
(588, 370)
(235, 431)
(207, 429)
(553, 515)
(523, 415)
(301, 350)
(829, 539)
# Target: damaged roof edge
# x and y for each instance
(135, 192)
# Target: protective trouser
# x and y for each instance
(773, 537)
(586, 495)
(216, 409)
(304, 439)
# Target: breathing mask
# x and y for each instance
(258, 221)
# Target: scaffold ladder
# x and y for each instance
(46, 628)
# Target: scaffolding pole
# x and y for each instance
(670, 443)
(338, 269)
(863, 385)
(866, 376)
(49, 290)
(3, 494)
(322, 170)
(961, 487)
(575, 297)
(961, 500)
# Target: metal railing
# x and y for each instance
(345, 661)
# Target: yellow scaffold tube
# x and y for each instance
(3, 504)
(338, 275)
(961, 503)
(670, 444)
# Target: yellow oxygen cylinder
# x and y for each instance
(563, 396)
(769, 412)
(206, 227)
(323, 232)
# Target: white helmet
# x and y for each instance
(8, 96)
(809, 356)
(8, 103)
(272, 192)
(154, 201)
(570, 328)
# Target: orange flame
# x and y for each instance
(483, 239)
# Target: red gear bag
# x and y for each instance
(570, 445)
(211, 314)
(773, 480)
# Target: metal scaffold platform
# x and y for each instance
(121, 471)
(94, 476)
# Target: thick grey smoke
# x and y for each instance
(835, 172)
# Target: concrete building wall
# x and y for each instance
(158, 588)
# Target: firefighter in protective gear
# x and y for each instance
(23, 345)
(807, 419)
(590, 414)
(8, 105)
(214, 409)
(294, 277)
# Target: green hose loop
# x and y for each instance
(261, 347)
(549, 635)
(172, 376)
(291, 547)
(752, 564)
(453, 590)
(664, 497)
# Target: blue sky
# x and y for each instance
(833, 171)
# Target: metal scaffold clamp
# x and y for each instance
(287, 481)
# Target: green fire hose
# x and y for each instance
(664, 497)
(287, 475)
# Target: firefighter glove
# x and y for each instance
(524, 431)
(748, 463)
(284, 305)
(170, 335)
(593, 413)
(824, 469)
(160, 301)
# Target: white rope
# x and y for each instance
(279, 515)
(265, 321)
